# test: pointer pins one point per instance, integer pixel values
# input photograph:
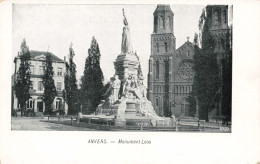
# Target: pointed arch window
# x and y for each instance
(216, 16)
(168, 22)
(157, 47)
(224, 16)
(161, 22)
(156, 101)
(157, 70)
(166, 47)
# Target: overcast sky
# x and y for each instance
(56, 26)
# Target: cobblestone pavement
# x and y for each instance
(34, 123)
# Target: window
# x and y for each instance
(29, 104)
(58, 86)
(161, 22)
(32, 69)
(166, 47)
(58, 104)
(59, 72)
(40, 70)
(157, 47)
(156, 102)
(168, 22)
(40, 85)
(31, 84)
(224, 16)
(157, 70)
(216, 16)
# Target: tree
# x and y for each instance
(226, 98)
(49, 87)
(206, 79)
(71, 87)
(92, 80)
(22, 82)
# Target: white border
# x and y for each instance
(241, 146)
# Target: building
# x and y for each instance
(36, 91)
(217, 22)
(170, 76)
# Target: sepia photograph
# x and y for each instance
(129, 68)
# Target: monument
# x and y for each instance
(126, 102)
(126, 62)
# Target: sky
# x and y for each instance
(54, 27)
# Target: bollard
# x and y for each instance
(176, 126)
(199, 125)
(59, 119)
(48, 118)
(141, 125)
(108, 123)
(71, 118)
(77, 118)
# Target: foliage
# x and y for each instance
(213, 77)
(71, 87)
(227, 83)
(206, 79)
(92, 80)
(107, 91)
(49, 87)
(22, 81)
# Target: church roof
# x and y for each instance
(186, 44)
(185, 50)
(163, 8)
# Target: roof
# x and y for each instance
(40, 55)
(187, 47)
(37, 54)
(163, 8)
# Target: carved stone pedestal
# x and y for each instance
(130, 108)
(126, 64)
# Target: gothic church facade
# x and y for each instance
(170, 75)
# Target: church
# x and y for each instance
(170, 73)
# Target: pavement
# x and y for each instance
(34, 124)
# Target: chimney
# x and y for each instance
(64, 58)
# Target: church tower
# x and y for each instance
(163, 44)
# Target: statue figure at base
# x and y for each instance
(116, 86)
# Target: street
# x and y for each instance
(34, 123)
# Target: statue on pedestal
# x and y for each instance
(108, 92)
(129, 86)
(116, 86)
(126, 46)
(141, 87)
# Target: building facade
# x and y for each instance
(218, 22)
(170, 76)
(36, 91)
